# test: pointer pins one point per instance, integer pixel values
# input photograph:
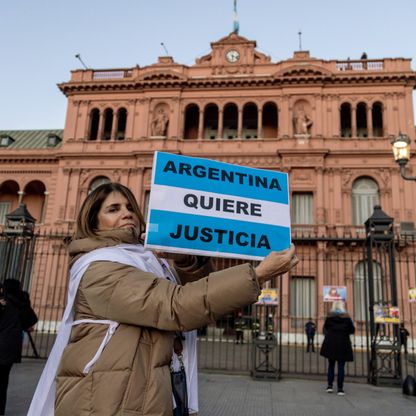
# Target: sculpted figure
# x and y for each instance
(159, 123)
(302, 122)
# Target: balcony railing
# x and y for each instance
(361, 65)
(112, 74)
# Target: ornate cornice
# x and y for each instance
(168, 80)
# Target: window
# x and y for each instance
(361, 295)
(6, 141)
(95, 183)
(365, 195)
(302, 297)
(345, 120)
(94, 123)
(302, 208)
(4, 209)
(53, 140)
(146, 205)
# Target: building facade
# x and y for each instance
(327, 123)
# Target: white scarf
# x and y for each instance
(43, 401)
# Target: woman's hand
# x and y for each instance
(275, 264)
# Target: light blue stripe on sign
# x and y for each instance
(223, 178)
(215, 234)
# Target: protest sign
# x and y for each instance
(206, 207)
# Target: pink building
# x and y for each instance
(328, 123)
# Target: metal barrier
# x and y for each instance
(323, 261)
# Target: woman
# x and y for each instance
(115, 352)
(16, 316)
(337, 344)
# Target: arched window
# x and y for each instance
(362, 120)
(108, 123)
(270, 121)
(94, 123)
(250, 121)
(210, 121)
(121, 124)
(361, 294)
(96, 182)
(34, 198)
(8, 198)
(230, 121)
(365, 194)
(345, 120)
(191, 122)
(377, 115)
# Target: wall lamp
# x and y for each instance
(401, 152)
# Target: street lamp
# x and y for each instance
(401, 151)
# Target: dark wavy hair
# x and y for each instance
(87, 220)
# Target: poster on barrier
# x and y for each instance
(332, 293)
(205, 207)
(268, 297)
(412, 294)
(384, 313)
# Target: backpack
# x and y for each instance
(409, 386)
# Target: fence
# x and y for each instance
(323, 262)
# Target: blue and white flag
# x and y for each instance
(206, 207)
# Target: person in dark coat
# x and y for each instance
(310, 329)
(337, 347)
(16, 315)
(404, 333)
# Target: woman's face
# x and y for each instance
(116, 212)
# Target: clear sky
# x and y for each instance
(40, 38)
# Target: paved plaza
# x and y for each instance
(228, 395)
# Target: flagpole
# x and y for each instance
(236, 24)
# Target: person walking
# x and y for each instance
(337, 346)
(16, 316)
(404, 333)
(115, 345)
(310, 329)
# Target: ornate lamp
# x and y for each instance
(20, 222)
(401, 151)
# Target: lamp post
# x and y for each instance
(401, 152)
(16, 250)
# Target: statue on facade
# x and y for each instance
(302, 123)
(159, 123)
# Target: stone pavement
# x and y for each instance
(229, 395)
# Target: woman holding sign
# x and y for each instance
(115, 345)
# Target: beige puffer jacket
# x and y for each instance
(132, 375)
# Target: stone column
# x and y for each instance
(260, 123)
(201, 125)
(370, 122)
(101, 126)
(113, 135)
(21, 195)
(240, 124)
(320, 204)
(353, 122)
(220, 131)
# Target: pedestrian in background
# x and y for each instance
(239, 329)
(337, 346)
(16, 316)
(404, 333)
(310, 329)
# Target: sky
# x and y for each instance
(40, 38)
